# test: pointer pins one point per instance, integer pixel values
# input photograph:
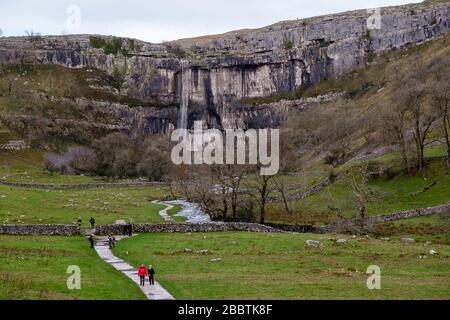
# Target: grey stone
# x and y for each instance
(185, 228)
(312, 243)
(433, 252)
(40, 229)
(408, 240)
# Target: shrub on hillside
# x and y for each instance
(78, 160)
(116, 153)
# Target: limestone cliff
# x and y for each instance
(224, 69)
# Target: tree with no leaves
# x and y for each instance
(359, 177)
(421, 117)
(394, 121)
(263, 186)
(440, 99)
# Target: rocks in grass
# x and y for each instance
(427, 243)
(216, 260)
(203, 251)
(312, 243)
(341, 241)
(408, 240)
(433, 252)
(187, 250)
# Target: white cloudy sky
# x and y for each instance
(156, 21)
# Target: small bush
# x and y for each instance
(115, 46)
(78, 160)
(97, 42)
(288, 44)
(176, 50)
(246, 213)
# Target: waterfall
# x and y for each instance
(185, 88)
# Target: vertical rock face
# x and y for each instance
(256, 63)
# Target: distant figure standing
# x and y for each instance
(129, 229)
(91, 240)
(142, 272)
(92, 221)
(151, 275)
(110, 242)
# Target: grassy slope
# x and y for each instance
(105, 205)
(26, 166)
(389, 195)
(279, 266)
(35, 268)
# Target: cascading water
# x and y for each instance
(184, 103)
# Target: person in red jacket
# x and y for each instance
(142, 273)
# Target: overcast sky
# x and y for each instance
(156, 21)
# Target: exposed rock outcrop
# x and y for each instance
(227, 68)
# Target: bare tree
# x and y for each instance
(33, 36)
(201, 190)
(359, 177)
(421, 117)
(231, 178)
(263, 187)
(440, 99)
(394, 121)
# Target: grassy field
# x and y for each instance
(279, 266)
(105, 205)
(35, 268)
(26, 166)
(434, 228)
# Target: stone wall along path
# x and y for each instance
(155, 292)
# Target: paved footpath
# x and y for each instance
(155, 292)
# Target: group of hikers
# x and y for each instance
(144, 272)
(91, 221)
(111, 242)
(127, 229)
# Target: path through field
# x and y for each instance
(155, 292)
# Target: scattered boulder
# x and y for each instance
(433, 252)
(408, 240)
(427, 243)
(216, 260)
(187, 250)
(204, 251)
(341, 241)
(312, 243)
